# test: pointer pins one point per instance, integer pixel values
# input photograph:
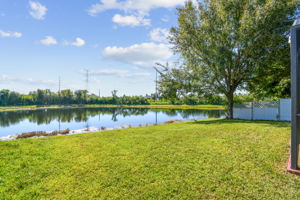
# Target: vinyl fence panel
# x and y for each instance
(264, 110)
(243, 111)
(285, 109)
(268, 110)
(265, 114)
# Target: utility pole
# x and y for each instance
(59, 85)
(87, 80)
(87, 85)
(156, 95)
(59, 82)
(295, 86)
(99, 93)
(156, 85)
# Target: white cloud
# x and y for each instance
(117, 72)
(135, 10)
(139, 6)
(37, 10)
(4, 79)
(49, 40)
(10, 34)
(131, 20)
(142, 55)
(77, 43)
(159, 35)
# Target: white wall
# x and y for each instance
(242, 113)
(285, 109)
(265, 114)
(281, 112)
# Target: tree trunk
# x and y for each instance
(230, 106)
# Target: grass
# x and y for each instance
(16, 107)
(31, 107)
(34, 107)
(213, 159)
(200, 107)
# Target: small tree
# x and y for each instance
(223, 42)
(114, 96)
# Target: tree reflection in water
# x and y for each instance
(83, 114)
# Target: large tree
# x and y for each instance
(223, 43)
(273, 79)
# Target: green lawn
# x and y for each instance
(214, 159)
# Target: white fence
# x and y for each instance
(270, 110)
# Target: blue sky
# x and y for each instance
(117, 41)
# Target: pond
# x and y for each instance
(16, 122)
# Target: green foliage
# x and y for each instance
(173, 83)
(242, 98)
(272, 81)
(225, 43)
(159, 102)
(68, 97)
(216, 159)
(195, 100)
(65, 97)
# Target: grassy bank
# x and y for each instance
(214, 159)
(33, 107)
(201, 107)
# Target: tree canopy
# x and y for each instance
(224, 44)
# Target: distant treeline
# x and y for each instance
(67, 97)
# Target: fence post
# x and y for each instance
(295, 86)
(252, 112)
(279, 114)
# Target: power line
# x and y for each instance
(156, 85)
(156, 95)
(87, 80)
(59, 82)
(59, 85)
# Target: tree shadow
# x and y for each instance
(237, 121)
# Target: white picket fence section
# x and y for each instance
(285, 111)
(264, 110)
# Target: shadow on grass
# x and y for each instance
(236, 121)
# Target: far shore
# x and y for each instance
(34, 107)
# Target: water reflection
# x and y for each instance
(108, 116)
(65, 115)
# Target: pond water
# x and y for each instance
(17, 122)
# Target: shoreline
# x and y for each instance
(197, 107)
(93, 130)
